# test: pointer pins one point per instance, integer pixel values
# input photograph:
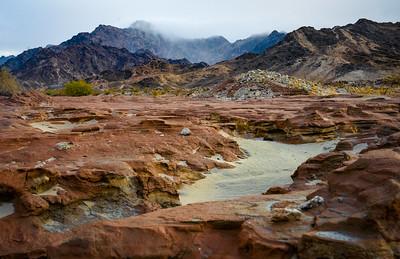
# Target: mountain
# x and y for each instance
(109, 51)
(57, 65)
(268, 42)
(142, 35)
(4, 59)
(365, 50)
(255, 44)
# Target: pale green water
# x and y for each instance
(269, 164)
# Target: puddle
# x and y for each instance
(6, 209)
(341, 236)
(357, 149)
(269, 164)
(55, 126)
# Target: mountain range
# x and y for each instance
(110, 48)
(141, 35)
(4, 59)
(364, 51)
(56, 65)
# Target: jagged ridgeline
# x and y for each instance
(362, 51)
(366, 51)
(108, 48)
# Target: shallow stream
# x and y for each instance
(268, 164)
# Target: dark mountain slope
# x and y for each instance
(210, 50)
(4, 59)
(56, 65)
(365, 50)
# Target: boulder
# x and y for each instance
(62, 146)
(313, 203)
(186, 132)
(285, 215)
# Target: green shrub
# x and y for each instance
(8, 84)
(78, 88)
(158, 92)
(55, 92)
(392, 80)
(242, 126)
(135, 90)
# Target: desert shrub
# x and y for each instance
(215, 116)
(369, 90)
(55, 92)
(242, 126)
(8, 84)
(392, 80)
(135, 90)
(111, 91)
(78, 88)
(158, 92)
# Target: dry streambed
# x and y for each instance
(116, 158)
(268, 164)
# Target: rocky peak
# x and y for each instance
(105, 29)
(274, 33)
(366, 49)
(364, 22)
(80, 38)
(144, 35)
(4, 59)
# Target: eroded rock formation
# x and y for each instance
(79, 177)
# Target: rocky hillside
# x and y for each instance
(365, 50)
(4, 59)
(256, 44)
(57, 65)
(141, 36)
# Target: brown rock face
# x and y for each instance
(361, 216)
(101, 196)
(315, 170)
(57, 65)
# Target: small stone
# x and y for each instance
(313, 203)
(182, 163)
(160, 158)
(62, 146)
(285, 215)
(276, 190)
(86, 128)
(186, 132)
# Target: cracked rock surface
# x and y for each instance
(113, 193)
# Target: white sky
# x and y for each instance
(31, 23)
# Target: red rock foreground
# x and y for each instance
(79, 177)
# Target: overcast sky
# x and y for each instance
(31, 23)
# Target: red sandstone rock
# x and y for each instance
(131, 167)
(315, 170)
(276, 190)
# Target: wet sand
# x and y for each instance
(269, 164)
